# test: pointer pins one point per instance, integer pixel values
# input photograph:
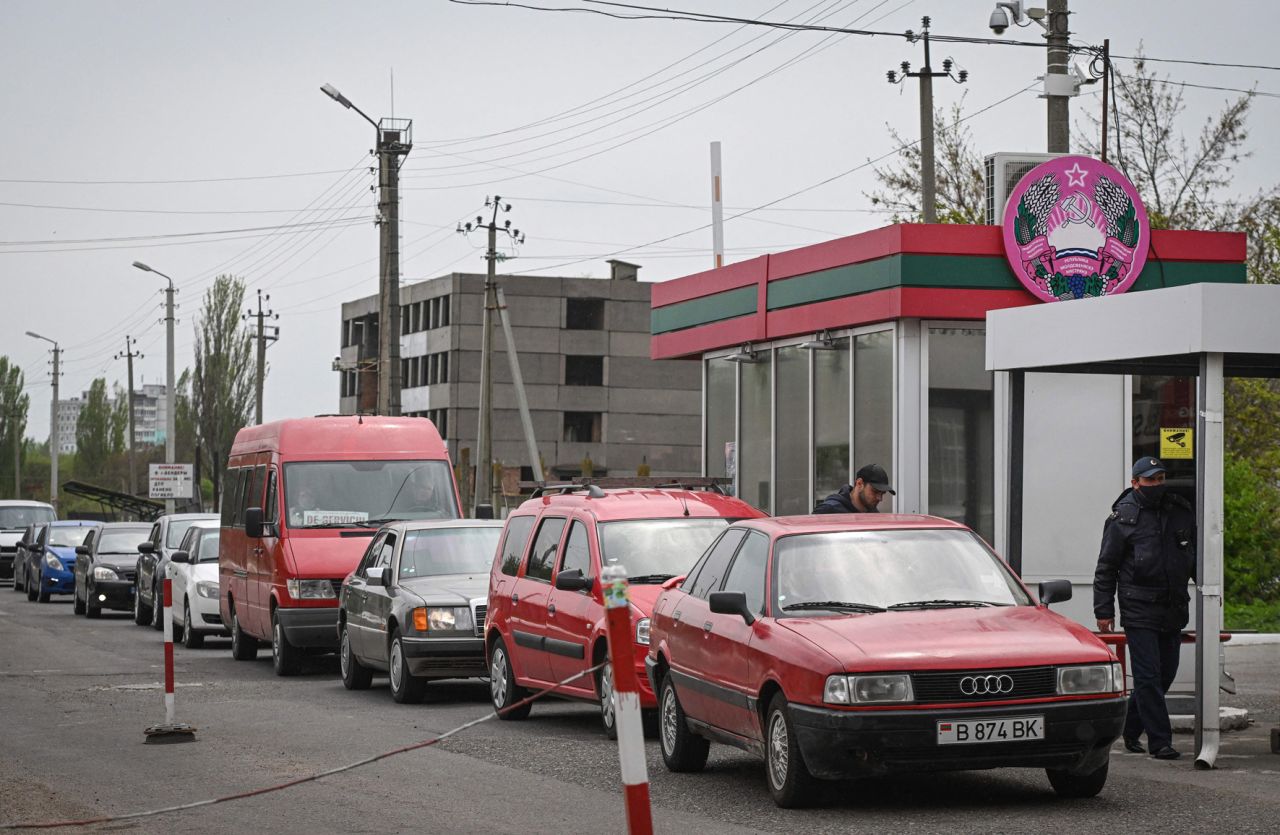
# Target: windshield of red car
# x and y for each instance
(657, 547)
(326, 494)
(888, 568)
(462, 550)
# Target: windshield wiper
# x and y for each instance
(943, 604)
(377, 523)
(650, 578)
(833, 604)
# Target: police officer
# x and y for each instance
(1148, 552)
(863, 496)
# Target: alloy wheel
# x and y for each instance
(779, 752)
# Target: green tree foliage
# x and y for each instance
(222, 384)
(93, 433)
(959, 191)
(1251, 531)
(119, 420)
(15, 404)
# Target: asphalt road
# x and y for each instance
(76, 695)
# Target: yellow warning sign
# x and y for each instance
(1176, 443)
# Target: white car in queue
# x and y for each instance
(193, 568)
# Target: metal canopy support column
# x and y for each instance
(1209, 486)
(1017, 437)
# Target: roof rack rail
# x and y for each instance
(595, 487)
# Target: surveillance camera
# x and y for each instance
(999, 21)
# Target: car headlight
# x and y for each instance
(867, 689)
(51, 561)
(309, 589)
(642, 631)
(1092, 678)
(443, 619)
(207, 588)
(101, 572)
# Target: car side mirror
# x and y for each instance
(253, 522)
(572, 580)
(731, 603)
(147, 547)
(82, 549)
(1054, 591)
(376, 576)
(35, 548)
(179, 556)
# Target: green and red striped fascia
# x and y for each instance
(904, 271)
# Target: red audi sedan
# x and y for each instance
(844, 646)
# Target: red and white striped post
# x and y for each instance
(626, 700)
(170, 731)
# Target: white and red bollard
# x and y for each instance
(170, 731)
(626, 701)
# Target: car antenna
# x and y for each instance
(685, 503)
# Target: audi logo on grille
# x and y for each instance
(986, 685)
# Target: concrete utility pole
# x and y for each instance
(128, 355)
(717, 209)
(485, 494)
(53, 417)
(170, 394)
(17, 452)
(395, 139)
(263, 338)
(928, 174)
(1058, 84)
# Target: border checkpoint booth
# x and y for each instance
(875, 348)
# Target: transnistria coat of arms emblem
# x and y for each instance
(1075, 228)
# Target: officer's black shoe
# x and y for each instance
(1134, 746)
(1166, 753)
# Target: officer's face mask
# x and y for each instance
(1153, 493)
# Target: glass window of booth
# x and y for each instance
(873, 394)
(792, 468)
(755, 450)
(721, 388)
(1165, 407)
(961, 433)
(831, 375)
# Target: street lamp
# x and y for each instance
(170, 416)
(395, 138)
(53, 421)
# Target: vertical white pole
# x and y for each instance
(717, 207)
(1209, 547)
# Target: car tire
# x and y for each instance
(355, 676)
(191, 639)
(1077, 785)
(682, 749)
(790, 782)
(157, 605)
(243, 647)
(42, 596)
(604, 697)
(141, 614)
(178, 630)
(77, 605)
(406, 688)
(285, 657)
(503, 689)
(31, 591)
(91, 611)
(16, 585)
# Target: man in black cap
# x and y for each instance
(1148, 552)
(863, 496)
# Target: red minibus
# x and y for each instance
(301, 500)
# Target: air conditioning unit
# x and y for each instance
(1003, 171)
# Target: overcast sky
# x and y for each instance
(193, 136)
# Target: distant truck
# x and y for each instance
(301, 500)
(15, 516)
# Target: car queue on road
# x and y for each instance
(833, 647)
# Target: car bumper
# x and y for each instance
(6, 566)
(838, 744)
(310, 627)
(445, 657)
(112, 594)
(61, 582)
(205, 617)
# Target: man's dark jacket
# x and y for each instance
(839, 502)
(1149, 553)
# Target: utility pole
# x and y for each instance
(1058, 85)
(129, 355)
(171, 397)
(485, 493)
(54, 440)
(717, 209)
(263, 338)
(928, 174)
(17, 451)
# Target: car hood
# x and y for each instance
(325, 556)
(643, 596)
(119, 562)
(449, 589)
(1006, 636)
(66, 553)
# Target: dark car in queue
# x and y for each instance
(154, 553)
(51, 559)
(855, 645)
(415, 605)
(107, 567)
(22, 556)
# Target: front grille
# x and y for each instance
(213, 619)
(128, 574)
(8, 549)
(1028, 682)
(478, 610)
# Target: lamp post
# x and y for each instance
(395, 139)
(53, 421)
(170, 414)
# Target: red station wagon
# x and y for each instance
(546, 610)
(852, 645)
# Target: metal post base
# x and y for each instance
(163, 734)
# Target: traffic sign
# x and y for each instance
(172, 481)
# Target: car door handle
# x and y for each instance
(515, 598)
(551, 609)
(257, 551)
(706, 627)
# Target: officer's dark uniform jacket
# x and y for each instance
(1149, 553)
(840, 502)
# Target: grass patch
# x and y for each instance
(1259, 616)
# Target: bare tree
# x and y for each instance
(961, 197)
(222, 383)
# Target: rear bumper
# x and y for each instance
(445, 657)
(838, 744)
(310, 627)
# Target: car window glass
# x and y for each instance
(577, 551)
(543, 555)
(385, 552)
(253, 488)
(207, 545)
(371, 555)
(229, 479)
(452, 550)
(155, 535)
(747, 572)
(269, 504)
(67, 537)
(713, 567)
(517, 536)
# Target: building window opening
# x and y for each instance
(584, 314)
(583, 371)
(582, 427)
